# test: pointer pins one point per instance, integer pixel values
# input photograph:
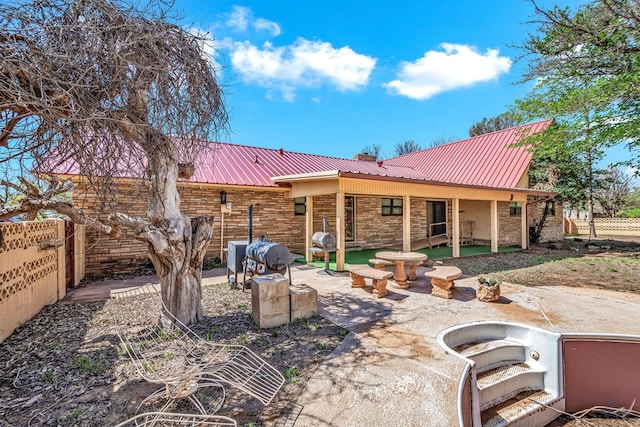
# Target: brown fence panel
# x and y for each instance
(32, 272)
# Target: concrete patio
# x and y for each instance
(390, 370)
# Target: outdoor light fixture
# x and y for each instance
(223, 197)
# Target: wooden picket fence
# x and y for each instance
(604, 226)
(32, 269)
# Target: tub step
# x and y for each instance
(504, 382)
(492, 354)
(527, 409)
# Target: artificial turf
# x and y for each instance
(363, 257)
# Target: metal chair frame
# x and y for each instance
(165, 351)
(149, 419)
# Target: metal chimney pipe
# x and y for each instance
(250, 223)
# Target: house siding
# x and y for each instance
(552, 230)
(273, 217)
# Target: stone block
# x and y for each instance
(269, 286)
(304, 301)
(270, 302)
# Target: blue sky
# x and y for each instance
(335, 76)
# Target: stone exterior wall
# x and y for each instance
(509, 227)
(553, 227)
(273, 217)
(418, 219)
(374, 230)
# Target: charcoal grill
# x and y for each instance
(264, 256)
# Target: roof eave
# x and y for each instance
(331, 174)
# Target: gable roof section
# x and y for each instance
(487, 160)
(231, 164)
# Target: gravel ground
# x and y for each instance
(65, 367)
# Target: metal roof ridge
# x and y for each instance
(488, 134)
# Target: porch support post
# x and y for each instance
(494, 226)
(525, 226)
(308, 228)
(455, 226)
(340, 231)
(406, 224)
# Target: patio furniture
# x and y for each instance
(360, 272)
(149, 419)
(442, 279)
(189, 368)
(400, 258)
(380, 264)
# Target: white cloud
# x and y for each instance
(239, 18)
(302, 64)
(453, 67)
(271, 27)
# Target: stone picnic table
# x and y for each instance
(400, 258)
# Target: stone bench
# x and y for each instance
(360, 272)
(380, 264)
(442, 278)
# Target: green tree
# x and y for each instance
(631, 208)
(586, 74)
(405, 147)
(599, 45)
(613, 192)
(486, 125)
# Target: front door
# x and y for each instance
(436, 214)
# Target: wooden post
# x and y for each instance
(494, 226)
(455, 232)
(340, 231)
(525, 226)
(406, 224)
(308, 228)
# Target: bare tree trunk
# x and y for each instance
(180, 270)
(592, 226)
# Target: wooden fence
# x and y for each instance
(604, 226)
(32, 269)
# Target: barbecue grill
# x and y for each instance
(324, 243)
(263, 256)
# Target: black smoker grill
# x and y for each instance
(265, 257)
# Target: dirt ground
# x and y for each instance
(65, 366)
(606, 263)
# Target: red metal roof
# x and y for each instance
(487, 160)
(232, 164)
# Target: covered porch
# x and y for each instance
(372, 212)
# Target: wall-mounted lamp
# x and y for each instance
(223, 197)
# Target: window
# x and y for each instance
(515, 209)
(391, 207)
(550, 207)
(299, 205)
